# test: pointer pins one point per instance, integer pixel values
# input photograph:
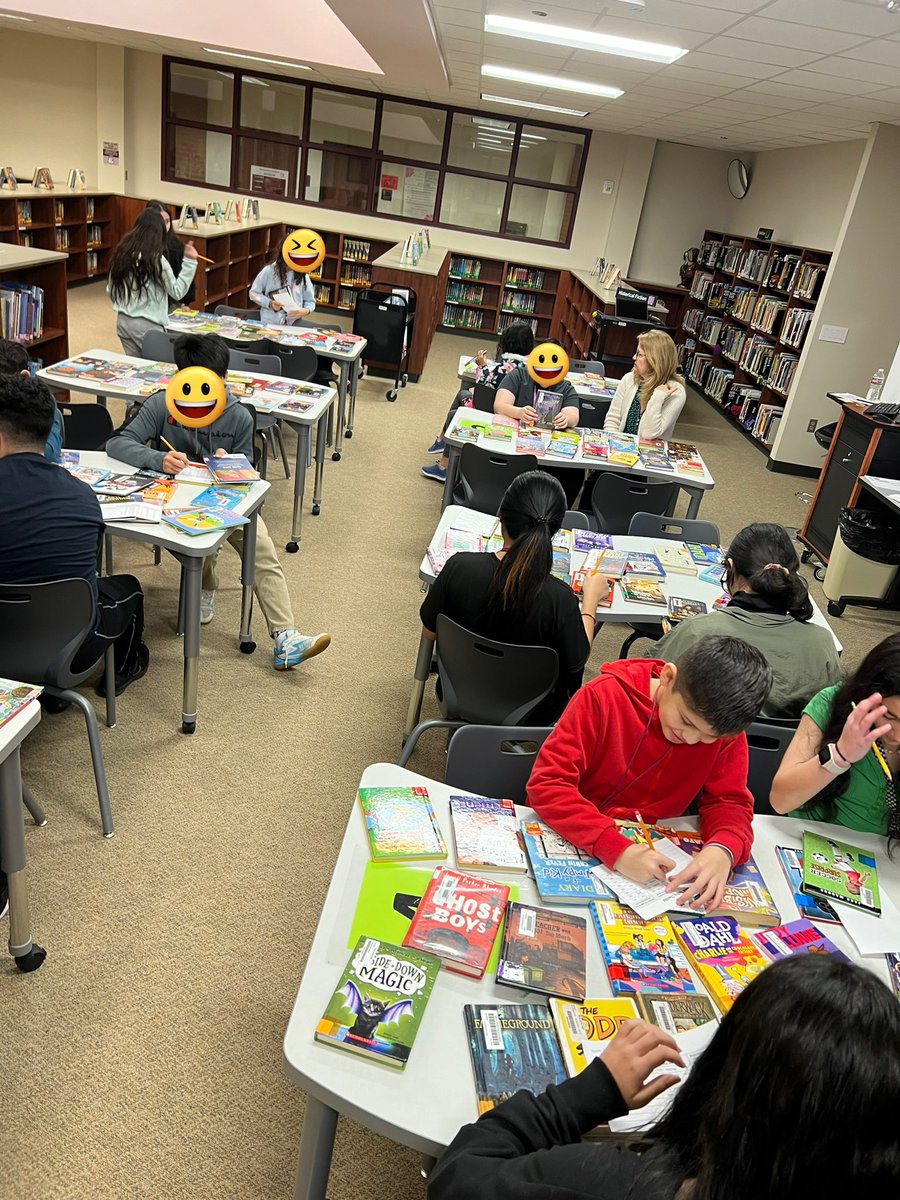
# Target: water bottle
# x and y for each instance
(873, 395)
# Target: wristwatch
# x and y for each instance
(832, 760)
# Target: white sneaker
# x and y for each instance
(207, 607)
(293, 647)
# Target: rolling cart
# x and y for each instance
(385, 319)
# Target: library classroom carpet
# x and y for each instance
(144, 1058)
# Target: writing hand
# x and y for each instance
(174, 462)
(640, 864)
(637, 1049)
(703, 879)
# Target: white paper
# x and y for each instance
(648, 899)
(871, 934)
(194, 475)
(691, 1044)
(286, 300)
(134, 511)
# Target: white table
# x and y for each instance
(583, 390)
(302, 422)
(424, 1106)
(27, 955)
(694, 485)
(190, 551)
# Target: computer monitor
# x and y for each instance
(632, 305)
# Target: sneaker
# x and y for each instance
(126, 679)
(207, 607)
(53, 704)
(437, 446)
(293, 647)
(436, 472)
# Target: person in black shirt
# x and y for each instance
(511, 596)
(174, 251)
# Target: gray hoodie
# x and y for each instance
(232, 432)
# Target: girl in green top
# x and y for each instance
(843, 764)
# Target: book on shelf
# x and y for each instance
(642, 591)
(543, 951)
(21, 312)
(723, 955)
(676, 1014)
(458, 919)
(42, 179)
(197, 521)
(840, 872)
(511, 1046)
(401, 825)
(378, 1005)
(584, 1030)
(796, 937)
(486, 834)
(14, 697)
(231, 468)
(791, 862)
(562, 872)
(76, 181)
(640, 956)
(8, 179)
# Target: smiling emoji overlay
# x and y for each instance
(548, 364)
(303, 250)
(195, 397)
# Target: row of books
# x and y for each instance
(507, 319)
(322, 293)
(94, 235)
(742, 303)
(465, 268)
(525, 277)
(355, 273)
(766, 312)
(783, 271)
(519, 303)
(606, 273)
(753, 264)
(692, 319)
(732, 342)
(462, 318)
(237, 328)
(21, 311)
(744, 402)
(710, 330)
(700, 285)
(796, 323)
(347, 297)
(23, 213)
(356, 250)
(62, 239)
(468, 292)
(721, 297)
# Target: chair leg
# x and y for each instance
(37, 813)
(410, 744)
(109, 671)
(157, 555)
(263, 467)
(93, 732)
(629, 642)
(279, 438)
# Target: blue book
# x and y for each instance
(561, 871)
(589, 539)
(702, 552)
(791, 861)
(711, 574)
(221, 497)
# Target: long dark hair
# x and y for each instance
(798, 1092)
(531, 512)
(135, 264)
(282, 270)
(517, 338)
(758, 553)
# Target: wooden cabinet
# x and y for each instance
(82, 225)
(45, 269)
(428, 279)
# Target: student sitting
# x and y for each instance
(174, 250)
(769, 608)
(795, 1095)
(14, 360)
(51, 530)
(141, 280)
(516, 343)
(831, 770)
(277, 276)
(649, 399)
(511, 596)
(647, 736)
(232, 433)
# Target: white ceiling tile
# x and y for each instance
(670, 14)
(866, 20)
(737, 6)
(884, 50)
(458, 17)
(690, 75)
(715, 63)
(822, 82)
(759, 52)
(855, 68)
(801, 37)
(804, 95)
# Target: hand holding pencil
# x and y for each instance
(863, 727)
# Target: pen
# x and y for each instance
(879, 756)
(644, 830)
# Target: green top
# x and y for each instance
(862, 805)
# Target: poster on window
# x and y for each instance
(419, 193)
(269, 180)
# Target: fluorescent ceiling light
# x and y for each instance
(492, 122)
(566, 112)
(581, 39)
(514, 75)
(275, 62)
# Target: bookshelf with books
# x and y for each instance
(579, 295)
(749, 309)
(33, 305)
(472, 299)
(83, 225)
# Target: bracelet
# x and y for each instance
(590, 617)
(843, 757)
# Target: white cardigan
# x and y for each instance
(658, 418)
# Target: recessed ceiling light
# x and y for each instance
(275, 62)
(581, 39)
(551, 81)
(16, 17)
(554, 108)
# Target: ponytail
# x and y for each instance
(531, 511)
(764, 555)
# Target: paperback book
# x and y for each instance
(231, 468)
(486, 834)
(640, 956)
(13, 698)
(221, 497)
(791, 861)
(796, 937)
(646, 565)
(543, 951)
(512, 1046)
(654, 460)
(198, 521)
(589, 539)
(530, 441)
(594, 444)
(458, 920)
(623, 449)
(613, 563)
(676, 1014)
(674, 556)
(90, 475)
(839, 871)
(584, 1030)
(547, 406)
(680, 608)
(123, 485)
(400, 824)
(725, 958)
(120, 508)
(705, 554)
(712, 573)
(563, 443)
(378, 1004)
(642, 591)
(746, 896)
(562, 872)
(501, 433)
(685, 457)
(893, 966)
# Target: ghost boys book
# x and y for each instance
(378, 1004)
(513, 1046)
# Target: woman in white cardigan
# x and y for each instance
(649, 400)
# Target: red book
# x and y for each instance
(458, 920)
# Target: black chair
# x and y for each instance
(297, 362)
(575, 519)
(42, 626)
(267, 426)
(492, 760)
(484, 477)
(483, 397)
(482, 682)
(245, 314)
(587, 364)
(318, 325)
(592, 413)
(85, 426)
(157, 345)
(670, 529)
(616, 498)
(824, 435)
(766, 742)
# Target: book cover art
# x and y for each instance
(791, 861)
(725, 958)
(530, 441)
(501, 433)
(560, 564)
(14, 696)
(563, 443)
(653, 460)
(584, 1029)
(546, 405)
(69, 459)
(562, 872)
(680, 608)
(379, 1002)
(486, 834)
(294, 404)
(703, 553)
(463, 540)
(221, 497)
(8, 179)
(646, 565)
(613, 563)
(711, 574)
(458, 919)
(198, 521)
(623, 449)
(839, 871)
(594, 444)
(90, 475)
(543, 951)
(244, 386)
(589, 539)
(231, 468)
(121, 485)
(400, 824)
(642, 591)
(512, 1046)
(640, 956)
(796, 937)
(893, 966)
(677, 1014)
(673, 556)
(746, 898)
(438, 557)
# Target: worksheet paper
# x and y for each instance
(871, 934)
(692, 1043)
(648, 899)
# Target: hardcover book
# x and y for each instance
(378, 1005)
(458, 919)
(623, 449)
(543, 951)
(680, 608)
(531, 442)
(746, 898)
(486, 834)
(122, 485)
(640, 956)
(220, 497)
(796, 937)
(512, 1046)
(546, 405)
(676, 1014)
(562, 872)
(725, 958)
(839, 871)
(642, 591)
(197, 521)
(705, 554)
(589, 539)
(564, 443)
(791, 861)
(893, 966)
(584, 1029)
(400, 824)
(594, 444)
(673, 556)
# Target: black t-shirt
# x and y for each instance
(525, 390)
(50, 523)
(461, 593)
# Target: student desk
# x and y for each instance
(190, 551)
(694, 485)
(302, 422)
(28, 956)
(424, 1105)
(584, 391)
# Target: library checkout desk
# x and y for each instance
(27, 955)
(424, 1105)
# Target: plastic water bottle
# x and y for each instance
(873, 395)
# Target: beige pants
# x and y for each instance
(270, 584)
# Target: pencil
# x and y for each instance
(879, 757)
(169, 444)
(203, 258)
(644, 830)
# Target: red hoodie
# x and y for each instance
(607, 758)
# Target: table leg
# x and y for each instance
(420, 678)
(452, 475)
(321, 430)
(191, 569)
(248, 576)
(696, 495)
(28, 956)
(299, 484)
(354, 383)
(343, 377)
(316, 1149)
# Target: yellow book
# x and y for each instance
(585, 1029)
(722, 954)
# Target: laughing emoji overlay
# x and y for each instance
(303, 250)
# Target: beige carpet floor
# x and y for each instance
(144, 1059)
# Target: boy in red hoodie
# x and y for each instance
(647, 736)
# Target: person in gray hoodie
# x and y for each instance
(138, 443)
(770, 608)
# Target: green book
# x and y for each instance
(840, 871)
(400, 824)
(378, 1004)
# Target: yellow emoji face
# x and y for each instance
(195, 397)
(303, 250)
(548, 364)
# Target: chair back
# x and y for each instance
(575, 519)
(616, 498)
(485, 476)
(592, 413)
(254, 416)
(157, 345)
(297, 362)
(265, 364)
(87, 426)
(318, 325)
(491, 760)
(483, 397)
(587, 364)
(674, 529)
(245, 314)
(488, 682)
(766, 744)
(42, 626)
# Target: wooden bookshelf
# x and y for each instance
(485, 295)
(743, 324)
(82, 225)
(44, 269)
(580, 296)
